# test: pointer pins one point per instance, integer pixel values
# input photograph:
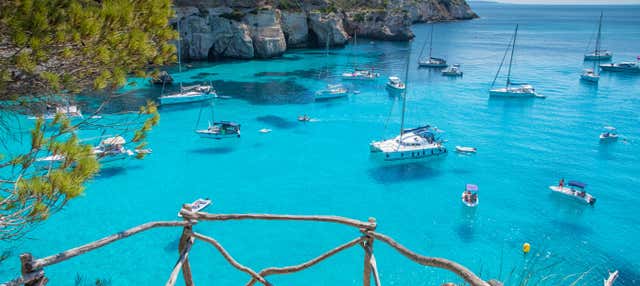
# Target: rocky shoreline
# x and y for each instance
(218, 29)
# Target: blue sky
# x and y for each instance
(571, 1)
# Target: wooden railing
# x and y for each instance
(33, 269)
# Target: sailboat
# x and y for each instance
(187, 94)
(598, 54)
(332, 90)
(511, 89)
(431, 62)
(220, 129)
(413, 144)
(360, 74)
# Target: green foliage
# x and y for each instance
(95, 43)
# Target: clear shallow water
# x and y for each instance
(324, 167)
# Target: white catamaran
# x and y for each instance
(598, 54)
(431, 62)
(412, 144)
(512, 89)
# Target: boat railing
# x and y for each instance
(33, 269)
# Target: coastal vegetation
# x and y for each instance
(51, 52)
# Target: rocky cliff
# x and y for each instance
(215, 29)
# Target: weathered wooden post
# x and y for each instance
(186, 237)
(28, 272)
(367, 245)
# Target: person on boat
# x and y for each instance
(561, 183)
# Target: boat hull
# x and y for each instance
(432, 65)
(329, 95)
(599, 57)
(469, 204)
(452, 74)
(167, 100)
(394, 89)
(408, 155)
(614, 68)
(218, 136)
(590, 78)
(569, 193)
(504, 92)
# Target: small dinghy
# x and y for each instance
(198, 205)
(470, 196)
(608, 134)
(575, 190)
(463, 149)
(265, 130)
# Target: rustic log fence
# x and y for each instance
(33, 269)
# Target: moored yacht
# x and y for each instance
(361, 74)
(412, 144)
(511, 89)
(111, 152)
(453, 70)
(590, 75)
(332, 91)
(430, 61)
(220, 130)
(598, 54)
(631, 67)
(189, 94)
(395, 85)
(608, 134)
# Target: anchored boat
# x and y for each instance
(453, 71)
(111, 152)
(512, 89)
(470, 196)
(187, 94)
(630, 67)
(576, 191)
(430, 61)
(332, 91)
(395, 85)
(598, 54)
(70, 111)
(357, 73)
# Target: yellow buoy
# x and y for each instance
(526, 247)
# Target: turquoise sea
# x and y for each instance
(324, 167)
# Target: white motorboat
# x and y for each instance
(189, 94)
(70, 111)
(576, 191)
(470, 196)
(453, 70)
(395, 85)
(220, 130)
(198, 205)
(430, 61)
(462, 149)
(332, 91)
(608, 134)
(265, 130)
(630, 67)
(598, 54)
(511, 89)
(590, 75)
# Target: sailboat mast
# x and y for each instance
(513, 47)
(597, 51)
(404, 94)
(431, 41)
(355, 42)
